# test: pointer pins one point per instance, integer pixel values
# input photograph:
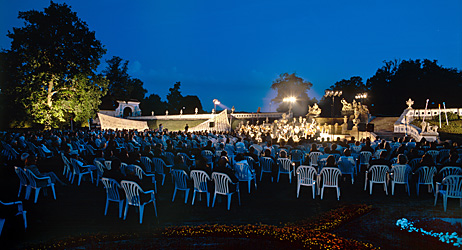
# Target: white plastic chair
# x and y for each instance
(140, 173)
(426, 175)
(76, 171)
(159, 165)
(37, 183)
(285, 167)
(107, 164)
(200, 179)
(180, 178)
(446, 171)
(20, 212)
(132, 193)
(306, 176)
(347, 167)
(266, 166)
(99, 170)
(112, 194)
(245, 173)
(329, 178)
(67, 172)
(297, 156)
(222, 182)
(378, 175)
(23, 182)
(453, 185)
(364, 158)
(399, 174)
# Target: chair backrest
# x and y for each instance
(426, 174)
(306, 174)
(243, 171)
(446, 171)
(454, 186)
(355, 149)
(330, 176)
(221, 183)
(159, 165)
(297, 155)
(147, 163)
(208, 155)
(180, 178)
(22, 175)
(250, 161)
(444, 154)
(378, 152)
(346, 166)
(75, 166)
(314, 158)
(379, 173)
(107, 164)
(266, 164)
(112, 188)
(414, 162)
(138, 170)
(365, 157)
(433, 153)
(32, 178)
(284, 164)
(200, 179)
(170, 157)
(65, 160)
(400, 173)
(132, 192)
(99, 166)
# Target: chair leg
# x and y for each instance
(385, 187)
(163, 179)
(107, 204)
(214, 197)
(28, 190)
(261, 174)
(194, 196)
(80, 178)
(174, 193)
(298, 189)
(322, 192)
(186, 196)
(126, 209)
(417, 189)
(208, 199)
(249, 185)
(54, 192)
(314, 190)
(278, 176)
(37, 191)
(338, 193)
(392, 188)
(436, 199)
(445, 202)
(20, 187)
(155, 209)
(229, 201)
(121, 205)
(141, 213)
(370, 188)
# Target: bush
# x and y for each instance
(451, 117)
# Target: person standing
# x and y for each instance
(186, 128)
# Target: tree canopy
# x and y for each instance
(291, 85)
(350, 88)
(52, 65)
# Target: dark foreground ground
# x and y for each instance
(80, 211)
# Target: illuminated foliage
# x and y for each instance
(53, 61)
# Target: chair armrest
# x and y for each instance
(148, 192)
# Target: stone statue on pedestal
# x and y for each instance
(409, 103)
(166, 112)
(314, 111)
(196, 110)
(346, 106)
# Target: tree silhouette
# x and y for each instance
(291, 85)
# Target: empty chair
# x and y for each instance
(266, 166)
(399, 174)
(133, 194)
(76, 171)
(222, 182)
(22, 180)
(453, 189)
(159, 166)
(329, 177)
(297, 156)
(347, 167)
(112, 194)
(245, 173)
(38, 183)
(306, 176)
(314, 158)
(378, 174)
(364, 158)
(99, 170)
(20, 212)
(200, 179)
(180, 178)
(446, 171)
(285, 167)
(147, 163)
(425, 177)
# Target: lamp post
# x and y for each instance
(215, 103)
(333, 94)
(361, 96)
(290, 100)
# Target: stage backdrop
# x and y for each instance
(110, 122)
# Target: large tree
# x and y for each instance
(398, 81)
(174, 99)
(153, 103)
(121, 85)
(291, 85)
(53, 61)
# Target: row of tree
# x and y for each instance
(387, 90)
(49, 75)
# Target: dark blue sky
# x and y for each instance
(233, 50)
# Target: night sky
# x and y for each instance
(233, 50)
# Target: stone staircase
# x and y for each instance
(383, 127)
